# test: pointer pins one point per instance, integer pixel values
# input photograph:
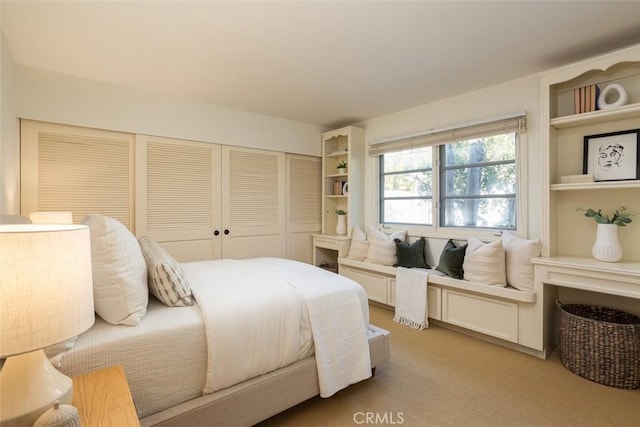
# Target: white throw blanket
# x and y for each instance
(339, 322)
(260, 313)
(411, 297)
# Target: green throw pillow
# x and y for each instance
(411, 255)
(451, 260)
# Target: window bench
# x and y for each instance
(507, 316)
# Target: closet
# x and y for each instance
(198, 200)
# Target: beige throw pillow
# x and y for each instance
(359, 245)
(382, 247)
(120, 290)
(519, 252)
(484, 263)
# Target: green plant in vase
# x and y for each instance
(342, 166)
(341, 225)
(607, 247)
(620, 217)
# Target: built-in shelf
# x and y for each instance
(602, 185)
(594, 117)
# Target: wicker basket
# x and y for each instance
(333, 267)
(600, 344)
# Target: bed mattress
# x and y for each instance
(164, 358)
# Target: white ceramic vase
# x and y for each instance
(607, 247)
(341, 226)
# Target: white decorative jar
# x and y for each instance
(341, 226)
(607, 247)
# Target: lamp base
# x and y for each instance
(29, 385)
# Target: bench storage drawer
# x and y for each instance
(492, 317)
(374, 284)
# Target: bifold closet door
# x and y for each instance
(76, 169)
(253, 203)
(304, 205)
(177, 196)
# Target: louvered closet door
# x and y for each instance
(82, 170)
(304, 205)
(178, 190)
(253, 203)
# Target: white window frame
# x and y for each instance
(435, 230)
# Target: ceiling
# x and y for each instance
(325, 63)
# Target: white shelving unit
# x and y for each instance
(566, 232)
(567, 269)
(345, 144)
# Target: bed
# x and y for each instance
(290, 331)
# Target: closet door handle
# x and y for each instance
(226, 231)
(216, 233)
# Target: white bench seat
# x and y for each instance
(438, 278)
(507, 314)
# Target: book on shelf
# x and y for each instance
(573, 179)
(585, 98)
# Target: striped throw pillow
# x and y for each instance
(167, 281)
(485, 263)
(382, 247)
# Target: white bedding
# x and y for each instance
(287, 302)
(166, 357)
(338, 313)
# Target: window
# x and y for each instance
(466, 177)
(406, 184)
(478, 183)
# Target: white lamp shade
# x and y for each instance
(51, 217)
(46, 293)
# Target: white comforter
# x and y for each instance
(265, 313)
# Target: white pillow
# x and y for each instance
(484, 263)
(359, 245)
(167, 281)
(382, 247)
(120, 290)
(519, 252)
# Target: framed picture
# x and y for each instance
(612, 156)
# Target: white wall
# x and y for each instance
(9, 135)
(53, 97)
(509, 97)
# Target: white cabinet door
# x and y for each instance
(76, 169)
(304, 205)
(177, 196)
(253, 203)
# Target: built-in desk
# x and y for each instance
(327, 248)
(613, 278)
(618, 279)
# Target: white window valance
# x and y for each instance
(516, 122)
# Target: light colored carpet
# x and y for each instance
(439, 377)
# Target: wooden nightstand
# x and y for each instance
(103, 399)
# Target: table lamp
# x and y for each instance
(46, 297)
(51, 217)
